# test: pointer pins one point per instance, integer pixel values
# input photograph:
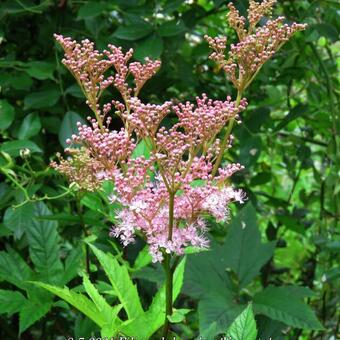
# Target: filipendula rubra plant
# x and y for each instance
(164, 198)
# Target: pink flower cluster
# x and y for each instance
(164, 198)
(181, 160)
(256, 44)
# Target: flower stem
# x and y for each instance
(168, 270)
(168, 293)
(226, 138)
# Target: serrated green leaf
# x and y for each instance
(149, 322)
(43, 241)
(244, 327)
(17, 219)
(77, 300)
(32, 312)
(72, 265)
(244, 252)
(11, 301)
(279, 303)
(121, 282)
(14, 269)
(108, 312)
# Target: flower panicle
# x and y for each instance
(256, 44)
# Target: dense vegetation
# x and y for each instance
(52, 232)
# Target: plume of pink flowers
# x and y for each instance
(165, 198)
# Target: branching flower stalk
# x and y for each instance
(165, 197)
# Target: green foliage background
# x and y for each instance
(286, 236)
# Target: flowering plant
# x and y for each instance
(165, 197)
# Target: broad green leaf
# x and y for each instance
(77, 300)
(30, 126)
(269, 328)
(245, 254)
(7, 114)
(284, 304)
(136, 29)
(17, 219)
(217, 308)
(41, 99)
(149, 322)
(244, 327)
(43, 241)
(121, 282)
(91, 9)
(151, 47)
(13, 147)
(14, 269)
(11, 301)
(172, 28)
(40, 69)
(32, 312)
(68, 126)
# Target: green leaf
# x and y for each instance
(244, 252)
(32, 312)
(72, 265)
(178, 315)
(43, 241)
(7, 114)
(13, 147)
(244, 327)
(30, 126)
(293, 114)
(121, 282)
(17, 219)
(14, 269)
(77, 300)
(149, 322)
(172, 28)
(40, 70)
(92, 201)
(151, 47)
(284, 304)
(137, 29)
(216, 311)
(143, 259)
(108, 312)
(41, 99)
(91, 9)
(141, 150)
(11, 301)
(68, 126)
